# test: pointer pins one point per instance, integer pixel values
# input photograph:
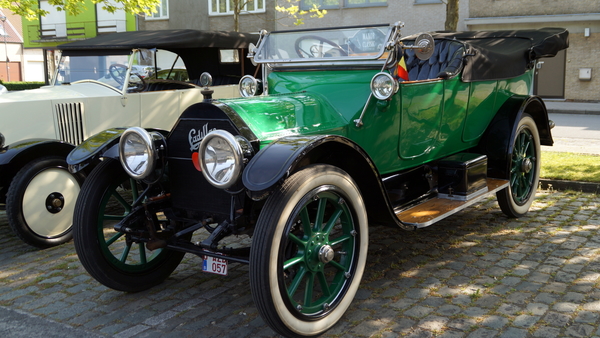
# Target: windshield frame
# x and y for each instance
(367, 58)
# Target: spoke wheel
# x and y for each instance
(111, 257)
(41, 200)
(309, 251)
(524, 166)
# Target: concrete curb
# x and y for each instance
(587, 187)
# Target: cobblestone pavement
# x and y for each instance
(475, 274)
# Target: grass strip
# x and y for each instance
(570, 167)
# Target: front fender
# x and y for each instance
(287, 155)
(103, 144)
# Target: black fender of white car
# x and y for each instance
(15, 155)
(105, 144)
(496, 141)
(283, 157)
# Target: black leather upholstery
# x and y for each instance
(446, 61)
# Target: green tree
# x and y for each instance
(290, 8)
(451, 15)
(29, 9)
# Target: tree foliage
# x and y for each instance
(29, 9)
(292, 10)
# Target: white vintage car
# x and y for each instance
(102, 82)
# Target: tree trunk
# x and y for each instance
(451, 15)
(237, 8)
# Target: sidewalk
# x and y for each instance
(569, 107)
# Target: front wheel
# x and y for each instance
(113, 258)
(524, 166)
(41, 200)
(309, 251)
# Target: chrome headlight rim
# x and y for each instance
(149, 147)
(389, 80)
(237, 152)
(253, 83)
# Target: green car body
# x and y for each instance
(356, 126)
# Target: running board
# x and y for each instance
(436, 209)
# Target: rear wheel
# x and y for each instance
(524, 166)
(41, 200)
(308, 252)
(111, 257)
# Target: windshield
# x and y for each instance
(112, 69)
(365, 43)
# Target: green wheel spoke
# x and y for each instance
(339, 240)
(308, 292)
(293, 261)
(122, 201)
(297, 241)
(334, 218)
(320, 214)
(114, 238)
(296, 282)
(125, 253)
(323, 283)
(305, 219)
(134, 192)
(337, 266)
(143, 259)
(113, 217)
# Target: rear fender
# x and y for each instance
(496, 141)
(16, 155)
(280, 159)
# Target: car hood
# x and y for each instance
(273, 117)
(79, 90)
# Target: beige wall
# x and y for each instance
(485, 8)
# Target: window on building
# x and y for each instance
(364, 3)
(322, 4)
(162, 11)
(428, 2)
(2, 32)
(330, 4)
(225, 7)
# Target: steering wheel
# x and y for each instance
(118, 71)
(316, 50)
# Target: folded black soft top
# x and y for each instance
(496, 55)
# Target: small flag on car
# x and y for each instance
(400, 72)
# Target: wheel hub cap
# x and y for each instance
(55, 202)
(526, 165)
(326, 254)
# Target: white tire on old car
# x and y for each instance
(309, 251)
(41, 200)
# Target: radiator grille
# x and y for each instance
(69, 117)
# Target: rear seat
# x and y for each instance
(446, 62)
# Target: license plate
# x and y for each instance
(214, 265)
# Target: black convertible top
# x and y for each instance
(497, 55)
(170, 39)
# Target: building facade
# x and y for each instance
(11, 48)
(43, 35)
(572, 75)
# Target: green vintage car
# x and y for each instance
(346, 128)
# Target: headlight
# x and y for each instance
(2, 139)
(221, 158)
(137, 152)
(249, 86)
(383, 86)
